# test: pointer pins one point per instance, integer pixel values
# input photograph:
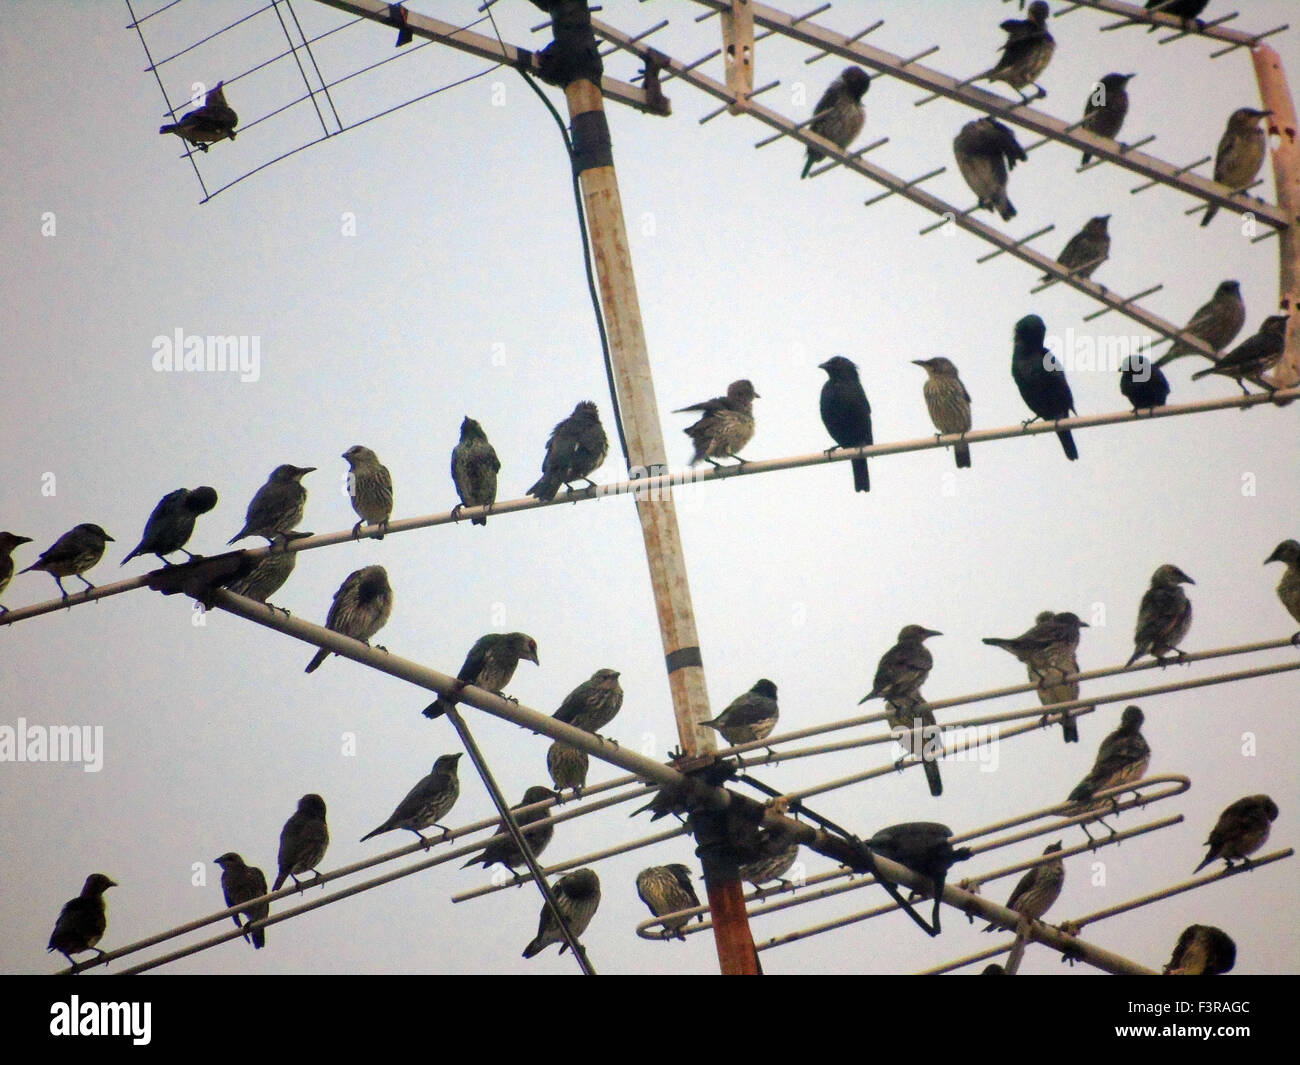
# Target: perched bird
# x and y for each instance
(667, 889)
(1288, 588)
(8, 541)
(765, 855)
(594, 703)
(490, 664)
(361, 607)
(82, 920)
(903, 668)
(266, 576)
(370, 487)
(1106, 108)
(1240, 154)
(278, 505)
(1086, 250)
(926, 848)
(986, 150)
(1038, 889)
(474, 466)
(575, 450)
(1202, 950)
(241, 883)
(748, 717)
(1184, 9)
(1254, 356)
(172, 522)
(568, 767)
(663, 802)
(427, 803)
(1216, 322)
(948, 402)
(726, 425)
(503, 849)
(303, 840)
(577, 894)
(1122, 758)
(916, 730)
(847, 414)
(1142, 382)
(1164, 615)
(214, 121)
(1048, 649)
(1240, 830)
(1041, 379)
(72, 554)
(838, 115)
(1027, 51)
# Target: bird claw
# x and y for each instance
(356, 530)
(455, 511)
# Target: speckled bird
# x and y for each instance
(8, 541)
(214, 121)
(72, 554)
(1254, 356)
(847, 414)
(575, 450)
(427, 803)
(1288, 588)
(1122, 758)
(915, 729)
(725, 426)
(241, 883)
(749, 717)
(766, 858)
(361, 607)
(1217, 322)
(1040, 377)
(278, 505)
(568, 767)
(370, 487)
(666, 889)
(903, 668)
(1048, 650)
(1026, 52)
(1038, 889)
(171, 524)
(986, 151)
(1142, 383)
(594, 703)
(503, 849)
(474, 467)
(948, 402)
(838, 116)
(1107, 107)
(1202, 950)
(1164, 616)
(1241, 153)
(1086, 250)
(266, 576)
(83, 920)
(303, 840)
(490, 664)
(1240, 831)
(577, 894)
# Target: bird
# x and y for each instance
(1086, 250)
(725, 426)
(1041, 379)
(838, 116)
(577, 894)
(1288, 588)
(903, 668)
(1184, 9)
(278, 505)
(214, 121)
(1026, 52)
(1240, 831)
(568, 767)
(915, 729)
(83, 920)
(1142, 382)
(241, 883)
(1254, 356)
(427, 803)
(1202, 950)
(1106, 108)
(303, 840)
(370, 487)
(986, 151)
(490, 664)
(1122, 758)
(749, 717)
(1038, 889)
(576, 448)
(1164, 615)
(1048, 650)
(1217, 322)
(503, 849)
(847, 414)
(766, 857)
(474, 466)
(594, 703)
(361, 607)
(72, 554)
(1240, 154)
(948, 402)
(666, 889)
(172, 523)
(926, 848)
(8, 541)
(266, 576)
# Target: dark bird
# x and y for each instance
(1106, 108)
(427, 803)
(1027, 51)
(1202, 950)
(1254, 356)
(1184, 9)
(361, 607)
(914, 728)
(594, 703)
(1086, 250)
(948, 402)
(986, 150)
(8, 541)
(666, 889)
(748, 717)
(1217, 322)
(490, 665)
(1038, 889)
(847, 414)
(568, 767)
(1122, 758)
(82, 920)
(266, 576)
(1041, 379)
(926, 848)
(242, 883)
(474, 466)
(303, 840)
(214, 121)
(172, 522)
(502, 849)
(662, 803)
(1288, 588)
(903, 668)
(278, 505)
(1240, 830)
(1164, 615)
(838, 116)
(577, 894)
(72, 554)
(1240, 154)
(1142, 382)
(575, 450)
(370, 487)
(1048, 649)
(726, 425)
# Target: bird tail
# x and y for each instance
(437, 708)
(279, 881)
(320, 657)
(545, 489)
(962, 451)
(376, 831)
(933, 779)
(1202, 373)
(807, 166)
(1210, 212)
(1086, 157)
(1138, 652)
(1005, 208)
(1081, 793)
(1067, 445)
(169, 129)
(1070, 729)
(478, 521)
(1207, 860)
(535, 947)
(259, 938)
(861, 480)
(134, 551)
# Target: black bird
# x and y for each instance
(214, 121)
(278, 505)
(303, 840)
(171, 524)
(8, 541)
(667, 889)
(82, 920)
(1202, 950)
(847, 414)
(474, 466)
(1106, 108)
(361, 607)
(838, 116)
(725, 425)
(577, 894)
(576, 448)
(1027, 51)
(986, 150)
(594, 703)
(1038, 889)
(1217, 322)
(1240, 830)
(242, 883)
(490, 664)
(1041, 379)
(568, 767)
(1142, 382)
(1241, 153)
(72, 554)
(1164, 615)
(1184, 9)
(926, 848)
(1048, 649)
(903, 668)
(1288, 588)
(427, 803)
(1122, 758)
(503, 849)
(748, 717)
(370, 487)
(1086, 250)
(948, 402)
(1254, 356)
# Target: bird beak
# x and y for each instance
(1187, 580)
(112, 883)
(933, 632)
(919, 362)
(306, 470)
(1084, 625)
(1274, 557)
(107, 537)
(23, 540)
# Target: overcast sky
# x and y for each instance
(426, 266)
